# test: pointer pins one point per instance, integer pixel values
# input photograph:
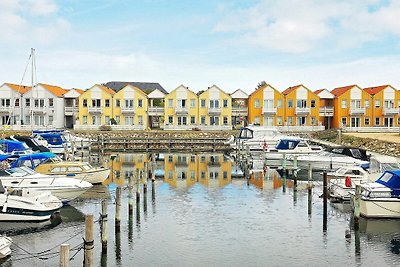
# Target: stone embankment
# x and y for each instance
(380, 146)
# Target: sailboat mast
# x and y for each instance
(32, 84)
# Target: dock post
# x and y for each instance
(98, 148)
(138, 186)
(284, 171)
(309, 187)
(145, 176)
(82, 150)
(295, 172)
(104, 226)
(357, 199)
(118, 209)
(130, 195)
(153, 168)
(89, 242)
(64, 255)
(325, 195)
(339, 135)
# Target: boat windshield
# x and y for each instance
(20, 171)
(56, 159)
(87, 167)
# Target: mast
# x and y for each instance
(32, 84)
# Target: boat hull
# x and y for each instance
(5, 243)
(384, 208)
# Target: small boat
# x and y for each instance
(27, 205)
(354, 152)
(381, 199)
(5, 243)
(63, 187)
(31, 142)
(51, 164)
(57, 143)
(328, 161)
(290, 147)
(12, 147)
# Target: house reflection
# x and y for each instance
(124, 165)
(267, 179)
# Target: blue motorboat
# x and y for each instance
(33, 160)
(55, 139)
(13, 147)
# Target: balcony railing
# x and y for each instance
(130, 110)
(71, 109)
(5, 109)
(214, 111)
(390, 111)
(302, 110)
(326, 111)
(269, 110)
(357, 111)
(94, 109)
(181, 110)
(39, 110)
(156, 111)
(239, 111)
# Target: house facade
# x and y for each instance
(215, 109)
(240, 111)
(71, 105)
(325, 107)
(156, 104)
(11, 108)
(384, 106)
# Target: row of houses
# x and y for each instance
(139, 106)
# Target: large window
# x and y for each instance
(344, 103)
(302, 103)
(203, 103)
(256, 103)
(225, 103)
(290, 103)
(192, 103)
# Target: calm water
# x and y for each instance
(208, 218)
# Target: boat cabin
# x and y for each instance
(391, 179)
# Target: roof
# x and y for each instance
(79, 90)
(146, 87)
(375, 90)
(55, 90)
(318, 91)
(107, 89)
(341, 90)
(19, 88)
(239, 94)
(291, 89)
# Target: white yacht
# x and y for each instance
(63, 187)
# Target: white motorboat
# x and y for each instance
(290, 147)
(27, 205)
(5, 243)
(328, 161)
(63, 187)
(381, 199)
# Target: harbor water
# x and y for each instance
(201, 214)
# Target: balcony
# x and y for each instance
(181, 110)
(128, 110)
(326, 111)
(4, 109)
(214, 111)
(239, 111)
(71, 110)
(357, 111)
(269, 110)
(39, 110)
(302, 111)
(154, 111)
(390, 111)
(94, 109)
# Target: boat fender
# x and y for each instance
(348, 181)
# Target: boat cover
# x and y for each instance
(287, 143)
(391, 179)
(53, 138)
(32, 160)
(9, 146)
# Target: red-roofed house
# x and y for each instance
(384, 105)
(351, 107)
(301, 106)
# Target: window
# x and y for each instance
(140, 103)
(225, 103)
(366, 104)
(203, 175)
(344, 121)
(203, 103)
(192, 158)
(84, 120)
(290, 120)
(312, 103)
(28, 119)
(203, 120)
(192, 120)
(214, 120)
(279, 120)
(170, 119)
(170, 158)
(118, 119)
(107, 120)
(170, 103)
(192, 175)
(225, 121)
(313, 121)
(377, 121)
(257, 120)
(225, 175)
(51, 102)
(117, 103)
(192, 103)
(169, 174)
(203, 159)
(140, 120)
(279, 103)
(366, 120)
(214, 103)
(256, 103)
(107, 103)
(268, 103)
(129, 120)
(50, 120)
(96, 103)
(17, 102)
(290, 103)
(302, 103)
(84, 103)
(27, 102)
(377, 103)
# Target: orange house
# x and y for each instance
(266, 106)
(384, 105)
(301, 106)
(352, 107)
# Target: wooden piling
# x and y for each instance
(284, 172)
(153, 168)
(130, 196)
(357, 200)
(145, 174)
(138, 186)
(118, 209)
(325, 196)
(64, 255)
(89, 242)
(295, 172)
(309, 187)
(104, 226)
(82, 150)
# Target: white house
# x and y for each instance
(10, 103)
(71, 104)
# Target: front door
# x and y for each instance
(389, 121)
(355, 122)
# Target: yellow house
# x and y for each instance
(352, 107)
(124, 166)
(301, 106)
(95, 107)
(180, 170)
(130, 108)
(215, 109)
(181, 109)
(384, 105)
(266, 106)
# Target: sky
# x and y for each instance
(232, 44)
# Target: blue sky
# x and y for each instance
(233, 44)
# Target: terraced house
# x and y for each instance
(215, 109)
(11, 108)
(240, 111)
(95, 107)
(325, 107)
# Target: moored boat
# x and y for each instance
(5, 243)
